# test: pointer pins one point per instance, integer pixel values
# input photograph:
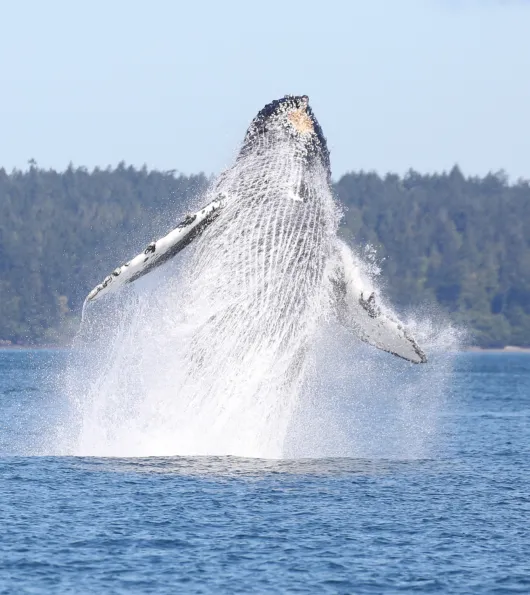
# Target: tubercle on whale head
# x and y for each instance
(291, 115)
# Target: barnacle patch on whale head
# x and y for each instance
(301, 120)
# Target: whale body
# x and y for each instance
(267, 260)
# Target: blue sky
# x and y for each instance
(395, 84)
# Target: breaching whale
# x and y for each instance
(267, 255)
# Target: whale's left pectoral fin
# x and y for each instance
(359, 309)
(159, 252)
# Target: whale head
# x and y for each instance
(289, 119)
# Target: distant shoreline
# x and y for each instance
(33, 347)
(470, 349)
(506, 349)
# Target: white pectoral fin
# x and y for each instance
(371, 321)
(159, 252)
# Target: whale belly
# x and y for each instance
(261, 267)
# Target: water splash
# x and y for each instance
(359, 402)
(232, 349)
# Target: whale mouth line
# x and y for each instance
(301, 120)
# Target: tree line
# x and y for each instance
(460, 242)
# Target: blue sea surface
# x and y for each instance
(455, 522)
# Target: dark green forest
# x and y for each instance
(460, 242)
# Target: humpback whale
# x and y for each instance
(267, 260)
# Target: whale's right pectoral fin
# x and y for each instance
(159, 252)
(359, 309)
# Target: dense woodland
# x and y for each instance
(463, 243)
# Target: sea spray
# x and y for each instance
(224, 351)
(359, 402)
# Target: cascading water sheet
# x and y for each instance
(209, 356)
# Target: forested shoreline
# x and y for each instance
(460, 242)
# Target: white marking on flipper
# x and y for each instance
(159, 252)
(370, 320)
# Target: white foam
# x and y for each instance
(230, 350)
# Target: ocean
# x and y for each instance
(453, 517)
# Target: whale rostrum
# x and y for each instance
(270, 227)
